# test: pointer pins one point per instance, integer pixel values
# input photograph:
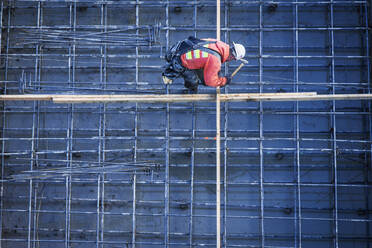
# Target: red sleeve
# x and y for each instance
(211, 69)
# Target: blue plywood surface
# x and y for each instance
(293, 174)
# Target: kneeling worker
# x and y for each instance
(199, 62)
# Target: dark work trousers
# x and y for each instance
(192, 79)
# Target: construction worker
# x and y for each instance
(199, 62)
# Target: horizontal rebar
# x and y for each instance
(206, 3)
(206, 182)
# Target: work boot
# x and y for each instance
(191, 90)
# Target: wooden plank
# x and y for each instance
(171, 98)
(288, 98)
(218, 167)
(134, 98)
(218, 21)
(218, 140)
(26, 97)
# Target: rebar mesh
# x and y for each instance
(294, 174)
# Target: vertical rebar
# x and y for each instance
(193, 127)
(134, 184)
(3, 130)
(368, 160)
(98, 211)
(35, 213)
(103, 119)
(297, 203)
(192, 169)
(135, 137)
(226, 108)
(334, 130)
(32, 155)
(1, 25)
(218, 142)
(6, 76)
(261, 129)
(218, 21)
(261, 126)
(100, 160)
(35, 140)
(218, 167)
(101, 134)
(295, 168)
(367, 12)
(167, 126)
(70, 123)
(99, 176)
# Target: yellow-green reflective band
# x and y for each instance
(188, 55)
(197, 54)
(205, 54)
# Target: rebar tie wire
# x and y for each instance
(116, 37)
(84, 167)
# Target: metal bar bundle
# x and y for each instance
(85, 167)
(115, 37)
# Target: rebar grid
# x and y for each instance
(295, 175)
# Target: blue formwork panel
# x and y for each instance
(294, 174)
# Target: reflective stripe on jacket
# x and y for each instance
(210, 64)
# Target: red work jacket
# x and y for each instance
(210, 64)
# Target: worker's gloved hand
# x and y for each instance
(228, 79)
(167, 80)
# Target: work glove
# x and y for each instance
(167, 80)
(228, 79)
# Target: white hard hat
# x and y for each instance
(239, 51)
